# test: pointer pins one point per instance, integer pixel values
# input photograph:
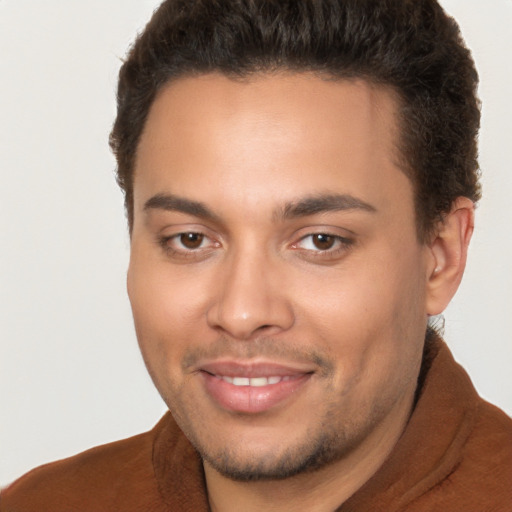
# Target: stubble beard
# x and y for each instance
(330, 442)
(323, 444)
(295, 460)
(333, 437)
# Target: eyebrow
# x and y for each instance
(311, 205)
(170, 202)
(323, 203)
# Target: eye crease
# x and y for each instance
(322, 242)
(186, 243)
(189, 243)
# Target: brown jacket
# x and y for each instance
(454, 456)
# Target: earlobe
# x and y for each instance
(448, 249)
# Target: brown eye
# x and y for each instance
(191, 240)
(323, 242)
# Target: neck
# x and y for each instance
(320, 491)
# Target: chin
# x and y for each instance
(292, 462)
(268, 462)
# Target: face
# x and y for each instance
(277, 283)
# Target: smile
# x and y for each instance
(252, 389)
(256, 382)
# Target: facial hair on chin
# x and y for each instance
(332, 439)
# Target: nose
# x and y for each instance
(251, 299)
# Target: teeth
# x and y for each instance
(259, 381)
(241, 381)
(256, 382)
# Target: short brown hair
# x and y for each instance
(411, 46)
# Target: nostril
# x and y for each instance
(249, 310)
(265, 328)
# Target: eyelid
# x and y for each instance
(166, 236)
(340, 233)
(338, 238)
(343, 244)
(166, 240)
(176, 236)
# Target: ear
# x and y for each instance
(448, 252)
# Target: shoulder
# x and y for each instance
(488, 451)
(115, 476)
(478, 454)
(482, 477)
(455, 453)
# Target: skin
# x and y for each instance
(228, 162)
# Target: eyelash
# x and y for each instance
(342, 244)
(164, 242)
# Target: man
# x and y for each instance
(300, 180)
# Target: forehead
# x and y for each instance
(297, 132)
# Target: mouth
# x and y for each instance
(256, 382)
(254, 387)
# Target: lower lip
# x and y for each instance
(251, 399)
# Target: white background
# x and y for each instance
(70, 373)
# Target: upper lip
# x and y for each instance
(253, 369)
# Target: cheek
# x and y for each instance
(165, 310)
(370, 314)
(164, 297)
